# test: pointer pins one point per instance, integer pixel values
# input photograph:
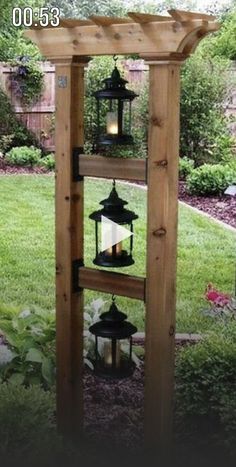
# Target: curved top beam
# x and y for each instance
(148, 37)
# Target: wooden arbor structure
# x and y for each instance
(164, 42)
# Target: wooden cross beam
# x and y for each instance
(139, 33)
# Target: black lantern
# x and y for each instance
(111, 333)
(113, 210)
(114, 106)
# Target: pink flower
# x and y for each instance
(217, 298)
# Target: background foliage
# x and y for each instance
(26, 80)
(223, 44)
(12, 42)
(12, 131)
(205, 88)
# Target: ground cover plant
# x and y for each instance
(27, 260)
(27, 350)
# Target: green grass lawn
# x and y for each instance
(205, 249)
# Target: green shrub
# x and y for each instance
(12, 131)
(210, 179)
(27, 425)
(185, 167)
(5, 142)
(223, 43)
(206, 381)
(23, 156)
(204, 134)
(48, 162)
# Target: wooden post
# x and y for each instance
(161, 251)
(69, 244)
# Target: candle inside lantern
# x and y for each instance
(107, 352)
(118, 250)
(112, 123)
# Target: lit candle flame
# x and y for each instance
(112, 123)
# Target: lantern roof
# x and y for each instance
(115, 88)
(113, 209)
(113, 201)
(113, 324)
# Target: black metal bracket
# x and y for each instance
(75, 164)
(76, 265)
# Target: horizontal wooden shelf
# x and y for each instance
(112, 167)
(112, 282)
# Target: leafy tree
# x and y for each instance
(85, 8)
(158, 7)
(224, 44)
(12, 42)
(204, 133)
(217, 8)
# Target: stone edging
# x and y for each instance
(179, 337)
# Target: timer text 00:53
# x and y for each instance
(42, 17)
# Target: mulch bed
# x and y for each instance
(222, 207)
(114, 428)
(114, 409)
(6, 169)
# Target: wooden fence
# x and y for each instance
(39, 118)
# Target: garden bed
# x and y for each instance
(6, 169)
(222, 207)
(114, 409)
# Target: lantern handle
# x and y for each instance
(115, 58)
(114, 183)
(113, 297)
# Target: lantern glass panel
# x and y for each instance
(113, 344)
(114, 119)
(114, 358)
(119, 254)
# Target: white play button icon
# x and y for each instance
(112, 233)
